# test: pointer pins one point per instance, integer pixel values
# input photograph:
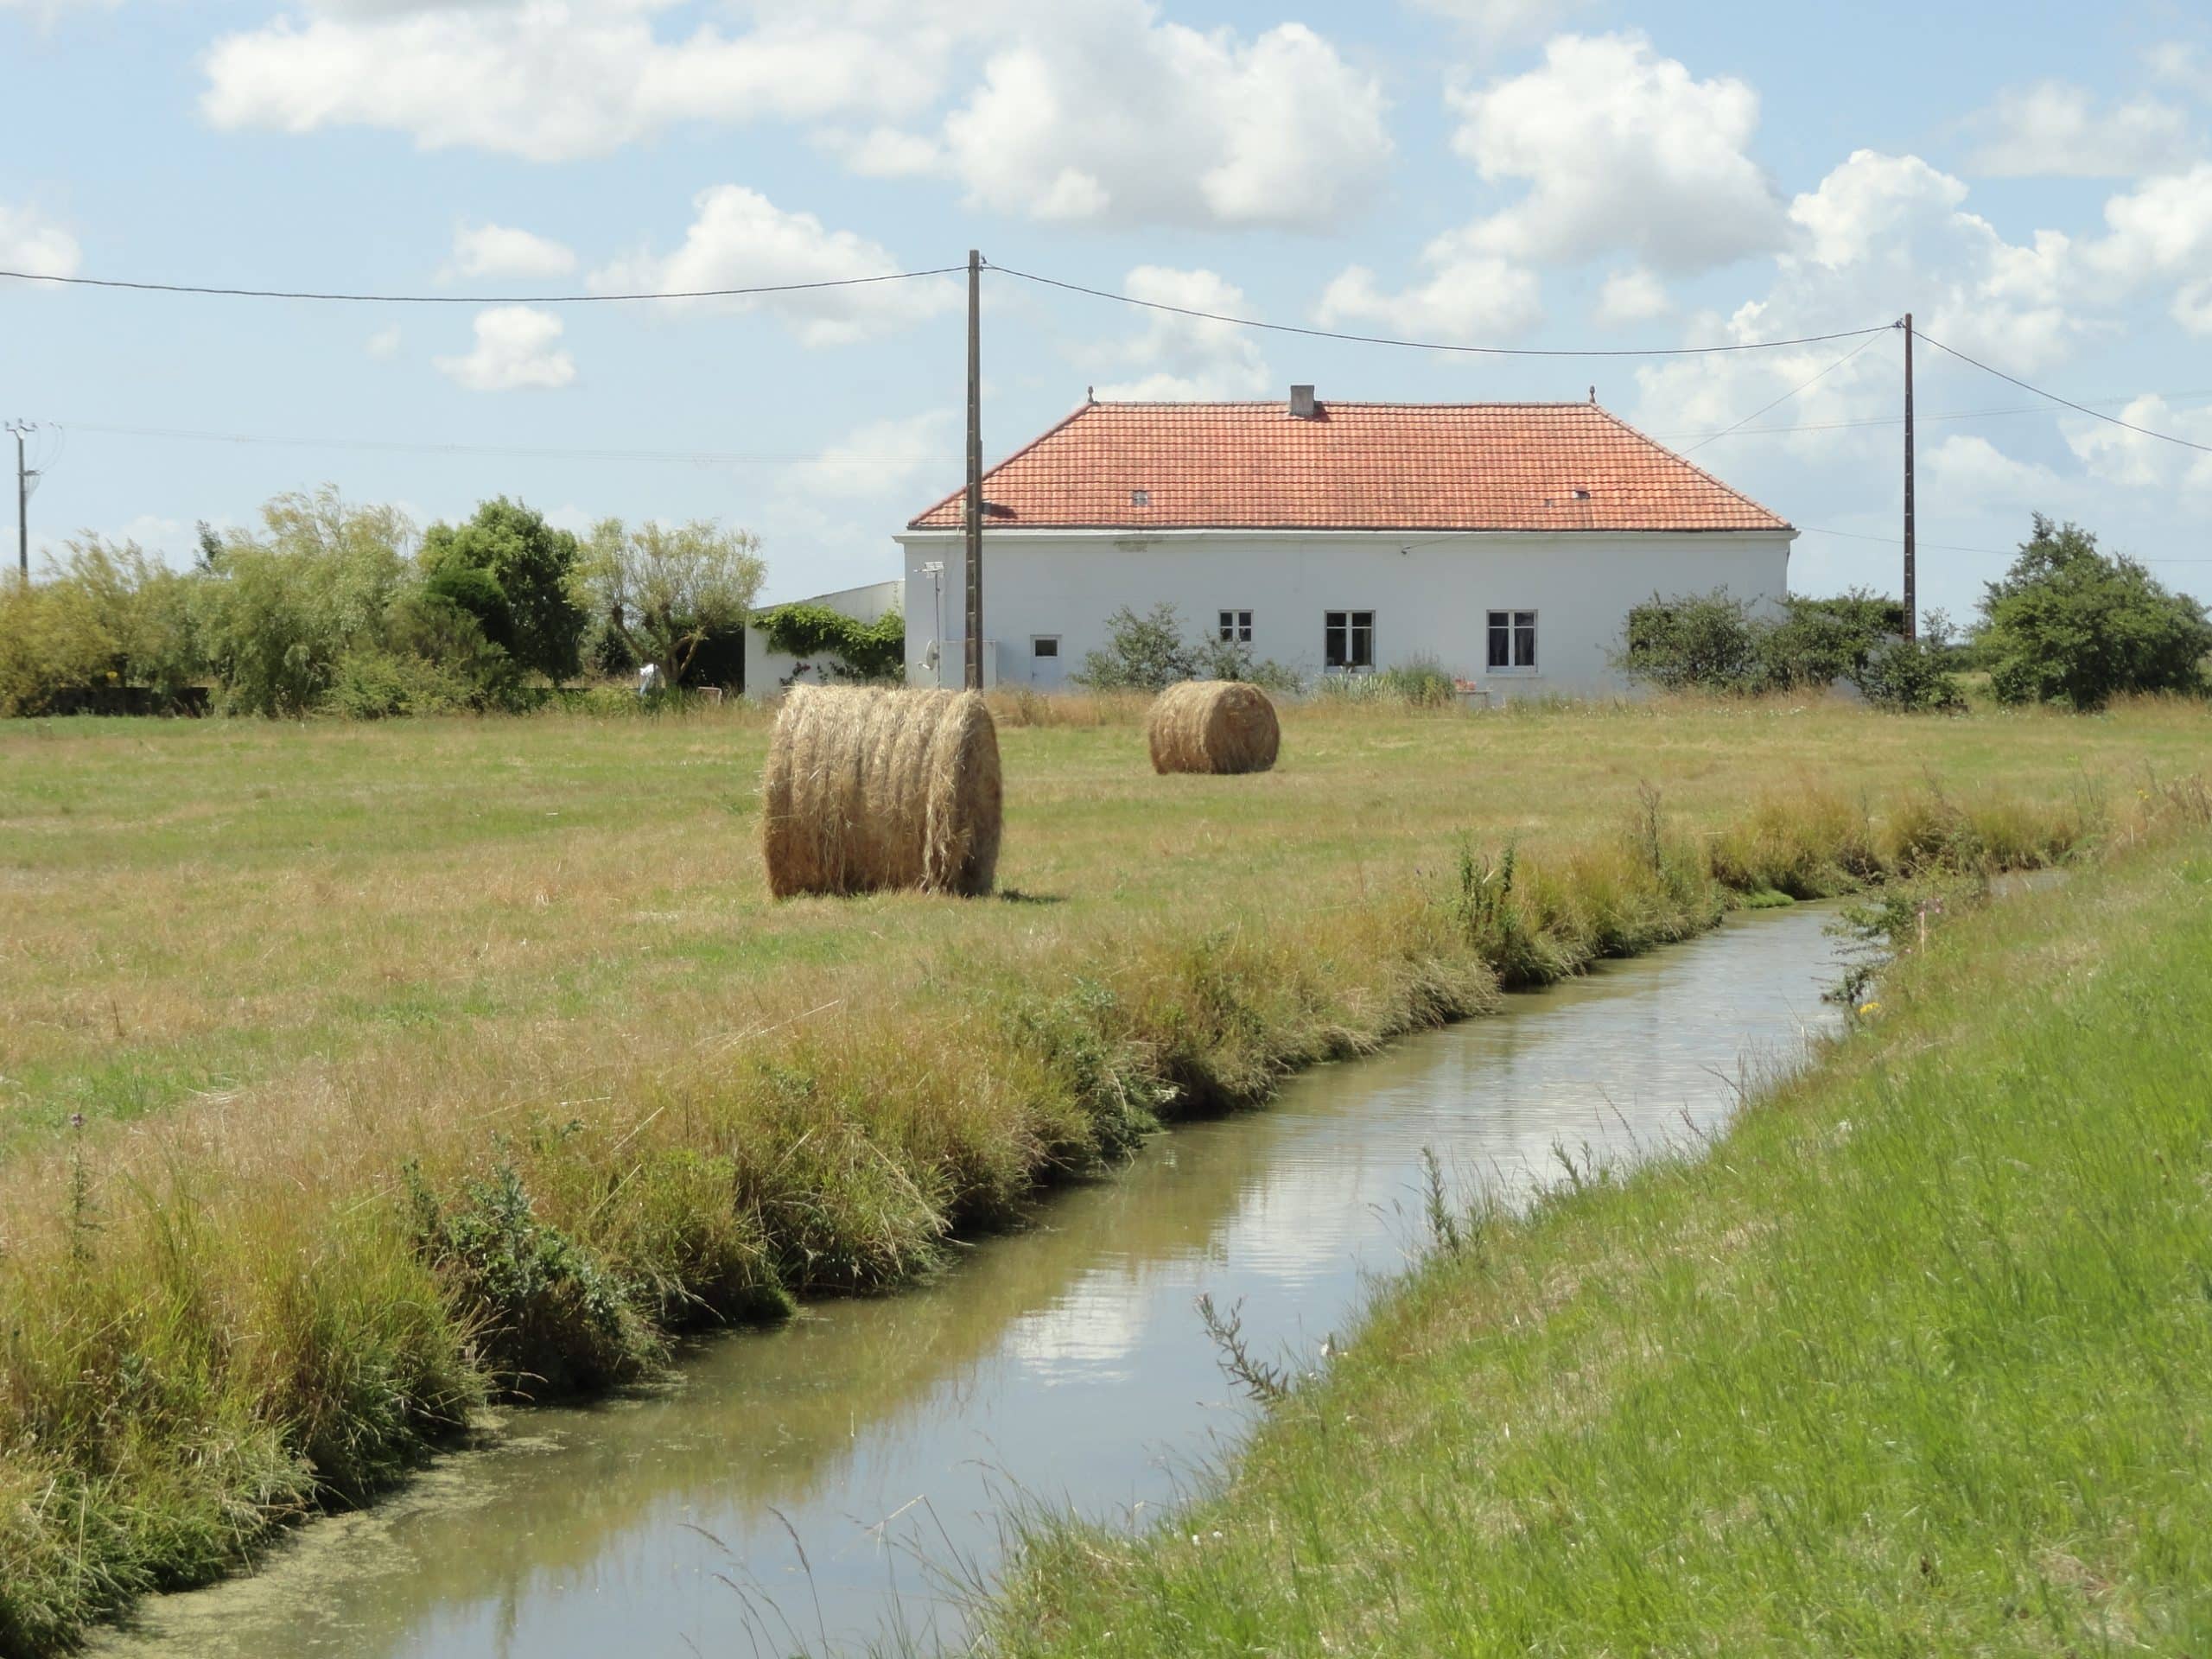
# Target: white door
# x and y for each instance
(1044, 668)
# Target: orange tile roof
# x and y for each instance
(1565, 467)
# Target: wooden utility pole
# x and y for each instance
(1911, 606)
(22, 502)
(973, 586)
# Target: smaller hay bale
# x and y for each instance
(1212, 726)
(869, 789)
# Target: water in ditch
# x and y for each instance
(812, 1485)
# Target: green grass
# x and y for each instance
(1917, 1358)
(430, 1061)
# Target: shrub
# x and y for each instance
(543, 1308)
(1820, 641)
(2073, 625)
(1150, 653)
(375, 683)
(1711, 642)
(1704, 642)
(1913, 676)
(51, 642)
(1420, 683)
(1143, 653)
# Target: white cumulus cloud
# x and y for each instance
(1878, 233)
(555, 79)
(1633, 296)
(2136, 460)
(501, 250)
(517, 347)
(1471, 297)
(2052, 130)
(738, 239)
(1082, 110)
(1968, 474)
(2162, 231)
(1621, 149)
(1179, 358)
(1202, 127)
(878, 458)
(1500, 20)
(28, 242)
(2179, 63)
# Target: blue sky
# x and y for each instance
(2036, 186)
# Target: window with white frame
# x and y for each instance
(1512, 642)
(1237, 627)
(1044, 645)
(1348, 639)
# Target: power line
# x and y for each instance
(479, 299)
(1433, 345)
(701, 457)
(1898, 541)
(1954, 547)
(1785, 396)
(2186, 443)
(1899, 420)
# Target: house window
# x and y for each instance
(1512, 641)
(1044, 645)
(1237, 627)
(1348, 639)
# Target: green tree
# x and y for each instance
(665, 590)
(517, 576)
(2071, 624)
(278, 612)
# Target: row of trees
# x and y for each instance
(2069, 625)
(339, 606)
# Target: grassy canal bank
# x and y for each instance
(359, 1074)
(1914, 1360)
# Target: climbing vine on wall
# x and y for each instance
(869, 651)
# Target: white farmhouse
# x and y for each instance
(1505, 541)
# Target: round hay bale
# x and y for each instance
(866, 789)
(1212, 726)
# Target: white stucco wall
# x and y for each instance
(1430, 595)
(767, 669)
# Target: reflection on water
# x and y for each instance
(1064, 1362)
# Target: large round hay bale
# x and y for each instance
(1212, 726)
(866, 789)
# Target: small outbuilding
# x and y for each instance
(1504, 542)
(770, 672)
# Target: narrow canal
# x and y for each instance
(886, 1439)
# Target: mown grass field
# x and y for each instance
(354, 1072)
(212, 910)
(1917, 1359)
